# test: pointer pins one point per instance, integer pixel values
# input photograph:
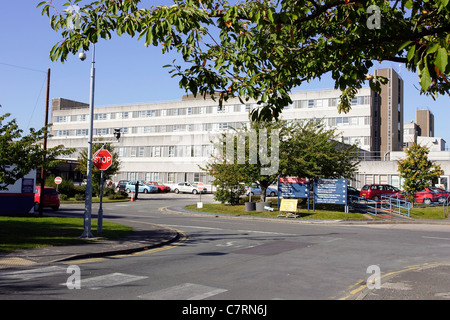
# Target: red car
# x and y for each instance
(375, 191)
(441, 194)
(161, 187)
(426, 196)
(51, 198)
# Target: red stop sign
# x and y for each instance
(102, 159)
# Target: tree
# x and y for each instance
(314, 151)
(96, 174)
(19, 154)
(304, 149)
(262, 49)
(417, 171)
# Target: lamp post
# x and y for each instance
(88, 196)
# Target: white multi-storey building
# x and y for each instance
(168, 142)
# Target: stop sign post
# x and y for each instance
(102, 159)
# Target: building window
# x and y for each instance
(171, 177)
(171, 151)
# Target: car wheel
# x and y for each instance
(272, 194)
(194, 191)
(176, 191)
(145, 191)
(55, 208)
(375, 198)
(128, 190)
(36, 206)
(441, 199)
(427, 201)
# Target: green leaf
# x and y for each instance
(425, 79)
(411, 53)
(441, 59)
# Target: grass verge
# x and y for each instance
(239, 210)
(18, 233)
(437, 212)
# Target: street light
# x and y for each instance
(88, 196)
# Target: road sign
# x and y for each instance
(58, 180)
(332, 191)
(293, 187)
(200, 186)
(102, 159)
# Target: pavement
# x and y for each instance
(420, 282)
(143, 237)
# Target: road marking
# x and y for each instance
(108, 280)
(438, 238)
(33, 273)
(238, 230)
(185, 291)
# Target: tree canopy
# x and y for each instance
(417, 171)
(304, 149)
(262, 49)
(19, 154)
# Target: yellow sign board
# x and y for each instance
(289, 205)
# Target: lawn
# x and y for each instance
(18, 233)
(320, 213)
(421, 212)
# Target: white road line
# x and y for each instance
(221, 229)
(109, 280)
(33, 273)
(185, 291)
(436, 238)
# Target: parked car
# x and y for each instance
(121, 185)
(143, 187)
(187, 187)
(441, 194)
(161, 187)
(426, 196)
(375, 191)
(256, 190)
(51, 198)
(351, 191)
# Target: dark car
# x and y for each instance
(51, 198)
(121, 185)
(375, 191)
(352, 193)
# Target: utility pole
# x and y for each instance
(41, 201)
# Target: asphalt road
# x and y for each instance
(236, 259)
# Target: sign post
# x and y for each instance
(200, 188)
(293, 188)
(102, 159)
(331, 191)
(57, 181)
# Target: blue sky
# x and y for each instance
(127, 72)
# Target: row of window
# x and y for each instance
(166, 177)
(166, 151)
(297, 104)
(205, 127)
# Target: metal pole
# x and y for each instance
(100, 209)
(88, 202)
(41, 200)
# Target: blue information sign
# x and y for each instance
(332, 191)
(293, 187)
